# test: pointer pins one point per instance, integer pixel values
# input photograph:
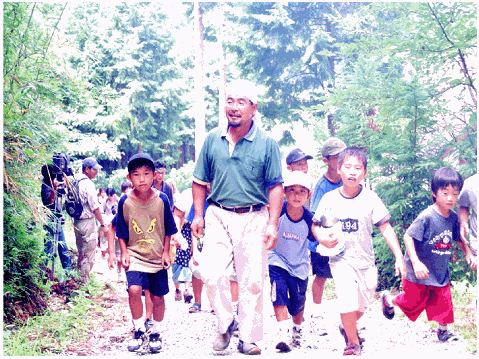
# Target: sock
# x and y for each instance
(139, 324)
(155, 327)
(442, 326)
(389, 301)
(297, 327)
(283, 325)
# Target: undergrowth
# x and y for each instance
(52, 332)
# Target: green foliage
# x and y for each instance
(54, 331)
(385, 262)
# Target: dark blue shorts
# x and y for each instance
(320, 265)
(287, 290)
(156, 283)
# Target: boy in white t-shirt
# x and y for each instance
(354, 271)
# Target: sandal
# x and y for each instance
(195, 308)
(352, 349)
(343, 333)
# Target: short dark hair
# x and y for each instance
(110, 191)
(353, 151)
(140, 160)
(444, 177)
(125, 185)
(160, 164)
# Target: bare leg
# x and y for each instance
(134, 298)
(148, 305)
(318, 289)
(350, 321)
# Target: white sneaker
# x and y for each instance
(296, 338)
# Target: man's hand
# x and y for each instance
(271, 236)
(111, 260)
(197, 226)
(471, 260)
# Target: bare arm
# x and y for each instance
(391, 239)
(463, 213)
(99, 217)
(111, 246)
(467, 254)
(275, 199)
(199, 196)
(420, 270)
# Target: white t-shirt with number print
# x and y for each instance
(357, 216)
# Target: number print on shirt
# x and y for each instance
(350, 225)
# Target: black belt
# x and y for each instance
(253, 208)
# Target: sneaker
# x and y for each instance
(187, 296)
(223, 340)
(148, 324)
(388, 311)
(248, 348)
(444, 335)
(137, 341)
(177, 295)
(283, 341)
(352, 349)
(296, 338)
(155, 343)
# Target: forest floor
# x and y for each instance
(187, 335)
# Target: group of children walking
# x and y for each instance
(342, 223)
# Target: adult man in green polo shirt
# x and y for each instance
(243, 166)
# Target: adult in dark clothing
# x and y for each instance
(50, 201)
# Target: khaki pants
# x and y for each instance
(235, 237)
(86, 238)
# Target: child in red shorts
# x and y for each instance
(428, 243)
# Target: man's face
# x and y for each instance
(239, 111)
(90, 172)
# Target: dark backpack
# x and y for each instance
(73, 203)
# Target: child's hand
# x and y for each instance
(420, 270)
(329, 239)
(125, 260)
(166, 260)
(401, 269)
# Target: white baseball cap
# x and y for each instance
(242, 88)
(292, 178)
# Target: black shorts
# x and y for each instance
(320, 265)
(156, 283)
(287, 290)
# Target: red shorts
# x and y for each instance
(437, 301)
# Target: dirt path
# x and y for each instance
(187, 335)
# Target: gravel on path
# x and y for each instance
(191, 335)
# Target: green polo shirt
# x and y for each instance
(241, 174)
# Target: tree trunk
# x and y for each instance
(199, 102)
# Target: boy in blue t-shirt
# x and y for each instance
(289, 260)
(428, 243)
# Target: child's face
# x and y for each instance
(446, 198)
(352, 172)
(331, 162)
(142, 178)
(301, 165)
(296, 195)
